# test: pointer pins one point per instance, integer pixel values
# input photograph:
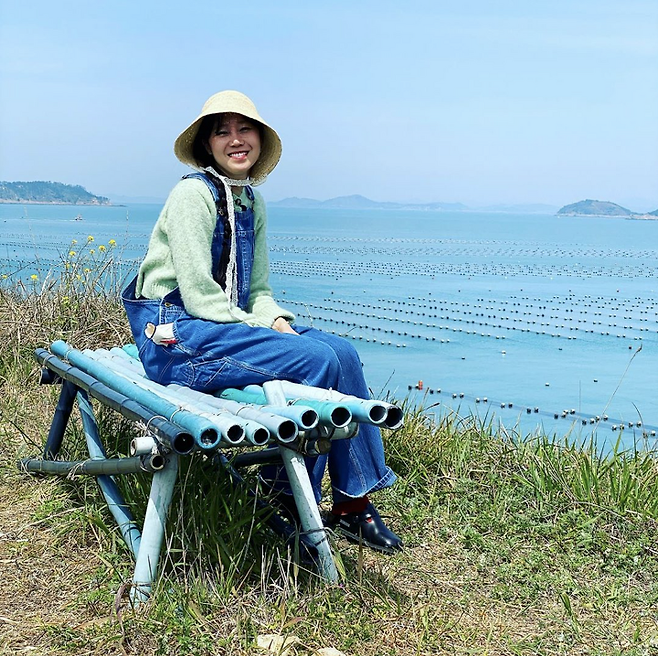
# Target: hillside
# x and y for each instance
(594, 208)
(55, 193)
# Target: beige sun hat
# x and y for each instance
(232, 102)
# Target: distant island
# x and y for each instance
(357, 202)
(603, 208)
(57, 193)
(52, 193)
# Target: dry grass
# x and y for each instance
(492, 566)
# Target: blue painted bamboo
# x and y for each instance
(205, 434)
(60, 420)
(94, 467)
(229, 426)
(303, 494)
(284, 425)
(146, 567)
(335, 414)
(279, 423)
(113, 498)
(305, 415)
(255, 433)
(364, 410)
(171, 434)
(257, 425)
(131, 350)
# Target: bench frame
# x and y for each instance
(146, 544)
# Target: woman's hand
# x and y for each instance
(282, 326)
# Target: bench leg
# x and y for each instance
(146, 568)
(109, 488)
(302, 491)
(60, 420)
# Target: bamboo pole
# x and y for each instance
(303, 494)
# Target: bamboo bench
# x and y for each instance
(296, 420)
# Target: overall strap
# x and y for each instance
(217, 191)
(224, 246)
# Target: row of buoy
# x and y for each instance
(586, 300)
(643, 307)
(435, 304)
(453, 247)
(523, 246)
(528, 322)
(452, 328)
(570, 413)
(511, 269)
(339, 270)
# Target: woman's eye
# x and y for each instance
(246, 128)
(221, 133)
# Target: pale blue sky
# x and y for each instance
(474, 101)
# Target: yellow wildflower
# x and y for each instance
(102, 248)
(74, 242)
(87, 270)
(91, 251)
(34, 276)
(112, 243)
(90, 238)
(71, 253)
(5, 276)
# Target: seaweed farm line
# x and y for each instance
(535, 322)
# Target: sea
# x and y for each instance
(533, 323)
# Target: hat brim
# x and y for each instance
(232, 102)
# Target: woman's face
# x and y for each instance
(234, 143)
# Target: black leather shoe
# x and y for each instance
(366, 527)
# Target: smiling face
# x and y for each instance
(234, 143)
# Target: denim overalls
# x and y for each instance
(209, 356)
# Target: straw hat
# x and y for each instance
(232, 102)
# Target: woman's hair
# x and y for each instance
(201, 154)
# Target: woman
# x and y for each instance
(202, 312)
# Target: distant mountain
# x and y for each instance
(654, 213)
(594, 208)
(357, 202)
(48, 192)
(528, 208)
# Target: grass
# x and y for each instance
(514, 546)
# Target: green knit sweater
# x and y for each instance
(179, 256)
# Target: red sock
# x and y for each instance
(351, 506)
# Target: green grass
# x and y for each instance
(514, 546)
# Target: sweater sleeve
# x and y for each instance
(180, 255)
(261, 304)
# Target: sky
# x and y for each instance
(471, 101)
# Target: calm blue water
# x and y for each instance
(545, 316)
